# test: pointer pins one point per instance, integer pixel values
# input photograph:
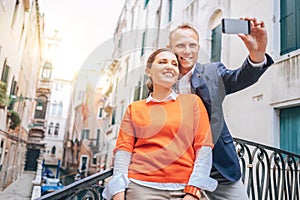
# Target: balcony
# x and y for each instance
(37, 131)
(268, 173)
(44, 85)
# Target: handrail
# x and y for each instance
(89, 186)
(268, 173)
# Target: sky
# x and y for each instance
(82, 26)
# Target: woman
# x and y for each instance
(163, 150)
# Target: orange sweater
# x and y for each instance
(164, 137)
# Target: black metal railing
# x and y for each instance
(89, 188)
(268, 174)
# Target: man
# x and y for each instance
(212, 82)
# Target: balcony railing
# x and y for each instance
(268, 174)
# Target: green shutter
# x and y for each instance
(290, 129)
(113, 118)
(137, 92)
(216, 44)
(145, 88)
(287, 26)
(5, 72)
(143, 44)
(170, 10)
(298, 23)
(146, 3)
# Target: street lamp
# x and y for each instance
(39, 104)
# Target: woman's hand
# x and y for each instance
(119, 196)
(189, 197)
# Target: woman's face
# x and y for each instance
(164, 71)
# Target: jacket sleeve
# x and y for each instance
(243, 77)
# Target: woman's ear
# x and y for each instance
(148, 72)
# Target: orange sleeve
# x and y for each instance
(203, 135)
(126, 136)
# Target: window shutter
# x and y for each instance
(287, 26)
(216, 44)
(290, 129)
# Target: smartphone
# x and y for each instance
(235, 26)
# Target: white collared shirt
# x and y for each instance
(183, 84)
(171, 96)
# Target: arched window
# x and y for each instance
(56, 131)
(50, 128)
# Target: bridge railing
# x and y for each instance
(268, 174)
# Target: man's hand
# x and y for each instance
(256, 41)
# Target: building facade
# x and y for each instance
(56, 121)
(267, 112)
(20, 52)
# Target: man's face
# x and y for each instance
(184, 43)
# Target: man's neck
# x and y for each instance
(184, 71)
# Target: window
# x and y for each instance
(170, 10)
(290, 129)
(94, 162)
(58, 87)
(13, 91)
(216, 42)
(146, 3)
(289, 25)
(85, 134)
(5, 72)
(60, 108)
(145, 88)
(54, 109)
(56, 130)
(137, 92)
(1, 151)
(126, 73)
(53, 150)
(50, 128)
(143, 43)
(98, 138)
(16, 11)
(100, 115)
(113, 117)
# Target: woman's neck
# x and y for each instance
(160, 93)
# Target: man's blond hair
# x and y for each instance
(183, 26)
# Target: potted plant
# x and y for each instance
(3, 95)
(14, 119)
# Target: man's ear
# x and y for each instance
(168, 46)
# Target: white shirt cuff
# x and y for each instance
(200, 176)
(118, 183)
(257, 64)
